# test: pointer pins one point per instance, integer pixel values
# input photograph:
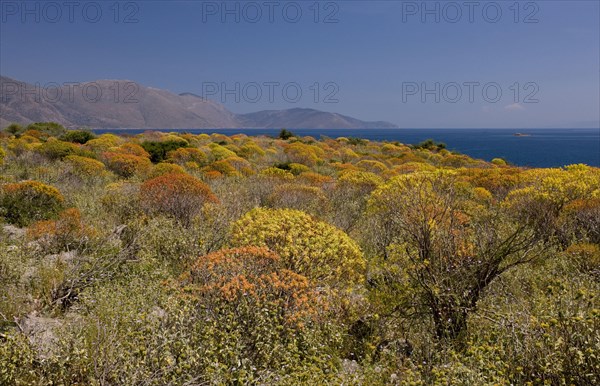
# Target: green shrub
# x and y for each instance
(28, 201)
(56, 149)
(158, 150)
(78, 136)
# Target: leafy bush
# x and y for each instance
(265, 311)
(133, 149)
(66, 233)
(85, 168)
(178, 195)
(28, 201)
(184, 155)
(158, 150)
(285, 134)
(56, 149)
(127, 165)
(165, 168)
(50, 128)
(430, 144)
(78, 136)
(307, 246)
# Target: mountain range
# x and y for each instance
(127, 104)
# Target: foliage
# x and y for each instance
(66, 233)
(184, 155)
(78, 136)
(165, 168)
(178, 195)
(430, 144)
(85, 168)
(444, 247)
(330, 261)
(285, 134)
(127, 165)
(55, 149)
(28, 201)
(158, 150)
(307, 246)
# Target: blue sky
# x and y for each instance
(373, 60)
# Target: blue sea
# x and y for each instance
(540, 148)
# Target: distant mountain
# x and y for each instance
(126, 104)
(109, 104)
(306, 118)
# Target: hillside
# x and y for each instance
(126, 104)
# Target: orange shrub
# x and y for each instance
(252, 278)
(177, 195)
(66, 233)
(133, 149)
(311, 178)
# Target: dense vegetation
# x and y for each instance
(185, 259)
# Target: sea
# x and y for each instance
(533, 148)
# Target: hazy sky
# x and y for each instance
(417, 64)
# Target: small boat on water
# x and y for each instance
(521, 135)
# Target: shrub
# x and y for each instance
(285, 134)
(28, 201)
(78, 136)
(219, 152)
(158, 150)
(63, 234)
(122, 200)
(361, 180)
(103, 142)
(372, 166)
(165, 168)
(178, 195)
(2, 155)
(302, 197)
(277, 173)
(301, 153)
(250, 150)
(261, 321)
(14, 129)
(430, 144)
(252, 274)
(133, 149)
(184, 155)
(223, 167)
(127, 165)
(85, 168)
(311, 178)
(55, 149)
(52, 129)
(586, 258)
(499, 162)
(307, 246)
